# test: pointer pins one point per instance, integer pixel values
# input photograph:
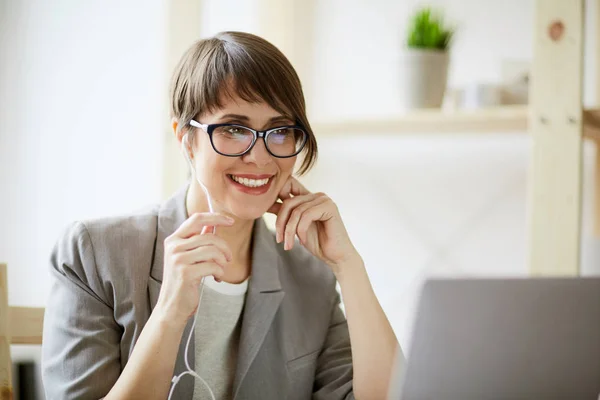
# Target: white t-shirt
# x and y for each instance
(217, 335)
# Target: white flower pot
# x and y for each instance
(423, 78)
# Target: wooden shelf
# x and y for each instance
(489, 120)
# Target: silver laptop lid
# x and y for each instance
(505, 338)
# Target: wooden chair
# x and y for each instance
(18, 325)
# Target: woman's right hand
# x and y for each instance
(191, 253)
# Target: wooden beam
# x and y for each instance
(6, 387)
(596, 209)
(276, 24)
(183, 29)
(289, 25)
(556, 123)
(501, 119)
(487, 120)
(597, 37)
(26, 325)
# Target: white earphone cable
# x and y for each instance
(190, 370)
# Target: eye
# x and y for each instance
(235, 130)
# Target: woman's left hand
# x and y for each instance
(316, 220)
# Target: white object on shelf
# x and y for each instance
(478, 95)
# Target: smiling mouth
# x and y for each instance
(251, 183)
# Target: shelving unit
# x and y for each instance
(555, 117)
(502, 119)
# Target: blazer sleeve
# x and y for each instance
(333, 377)
(80, 344)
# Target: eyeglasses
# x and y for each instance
(233, 140)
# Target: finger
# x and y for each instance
(274, 209)
(196, 272)
(193, 225)
(319, 212)
(201, 255)
(296, 215)
(215, 270)
(202, 240)
(292, 187)
(285, 191)
(284, 213)
(286, 209)
(297, 189)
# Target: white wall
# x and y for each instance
(82, 106)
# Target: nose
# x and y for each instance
(258, 155)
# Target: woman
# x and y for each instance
(269, 323)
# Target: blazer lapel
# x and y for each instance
(262, 301)
(171, 215)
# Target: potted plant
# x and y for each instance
(424, 62)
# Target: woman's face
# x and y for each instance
(244, 186)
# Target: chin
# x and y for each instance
(248, 211)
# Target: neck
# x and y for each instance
(238, 237)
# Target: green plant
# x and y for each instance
(427, 31)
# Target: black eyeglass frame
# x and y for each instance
(209, 129)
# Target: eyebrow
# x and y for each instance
(246, 119)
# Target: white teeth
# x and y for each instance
(250, 182)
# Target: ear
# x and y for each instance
(178, 135)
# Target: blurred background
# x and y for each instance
(84, 129)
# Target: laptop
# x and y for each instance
(520, 338)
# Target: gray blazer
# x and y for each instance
(106, 277)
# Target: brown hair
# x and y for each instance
(257, 70)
